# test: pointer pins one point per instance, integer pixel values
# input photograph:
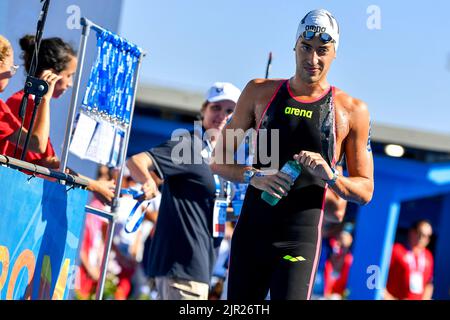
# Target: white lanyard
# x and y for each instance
(223, 188)
(207, 152)
(210, 148)
(413, 266)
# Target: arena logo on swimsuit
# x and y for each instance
(298, 112)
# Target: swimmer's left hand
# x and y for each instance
(316, 163)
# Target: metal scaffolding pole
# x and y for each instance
(110, 216)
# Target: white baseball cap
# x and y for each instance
(320, 21)
(223, 91)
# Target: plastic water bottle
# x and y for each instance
(291, 168)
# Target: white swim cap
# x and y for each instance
(322, 22)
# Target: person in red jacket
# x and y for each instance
(54, 55)
(411, 270)
(9, 124)
(337, 266)
(60, 57)
(48, 157)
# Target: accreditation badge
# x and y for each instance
(219, 217)
(416, 282)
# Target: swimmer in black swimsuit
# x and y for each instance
(277, 247)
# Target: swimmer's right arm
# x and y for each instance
(140, 166)
(242, 120)
(258, 91)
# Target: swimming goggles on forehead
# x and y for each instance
(324, 37)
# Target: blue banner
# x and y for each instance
(40, 232)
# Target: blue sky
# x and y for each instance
(402, 70)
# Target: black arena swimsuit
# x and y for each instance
(278, 248)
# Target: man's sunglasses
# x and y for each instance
(324, 37)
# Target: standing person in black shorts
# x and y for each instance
(183, 249)
(277, 247)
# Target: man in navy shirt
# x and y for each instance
(183, 250)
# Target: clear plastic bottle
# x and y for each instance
(293, 169)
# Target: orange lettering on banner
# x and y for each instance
(4, 261)
(25, 260)
(46, 280)
(60, 286)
